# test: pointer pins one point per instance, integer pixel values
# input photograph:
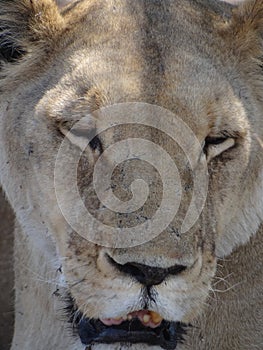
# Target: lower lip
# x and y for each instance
(166, 336)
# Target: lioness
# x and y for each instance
(177, 85)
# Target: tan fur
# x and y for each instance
(200, 59)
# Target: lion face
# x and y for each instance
(153, 285)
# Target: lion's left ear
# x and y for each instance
(245, 30)
(25, 24)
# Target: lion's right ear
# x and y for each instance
(245, 30)
(25, 24)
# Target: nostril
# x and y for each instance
(147, 275)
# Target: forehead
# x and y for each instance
(148, 45)
(165, 52)
(153, 34)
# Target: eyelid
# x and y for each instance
(213, 150)
(80, 132)
(215, 140)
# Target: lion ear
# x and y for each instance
(25, 24)
(246, 30)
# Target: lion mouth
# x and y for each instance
(139, 327)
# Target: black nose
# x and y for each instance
(147, 275)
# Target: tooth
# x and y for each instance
(117, 318)
(156, 318)
(125, 317)
(146, 318)
(129, 317)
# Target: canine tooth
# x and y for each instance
(156, 318)
(129, 317)
(146, 318)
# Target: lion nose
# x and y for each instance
(147, 275)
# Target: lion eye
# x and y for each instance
(79, 134)
(214, 146)
(96, 145)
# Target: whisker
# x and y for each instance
(228, 289)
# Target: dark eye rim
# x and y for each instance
(213, 141)
(96, 144)
(210, 140)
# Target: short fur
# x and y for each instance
(202, 60)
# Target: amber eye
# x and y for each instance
(214, 146)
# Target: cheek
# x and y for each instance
(84, 262)
(227, 175)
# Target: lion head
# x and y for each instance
(176, 86)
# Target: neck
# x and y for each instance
(233, 308)
(39, 297)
